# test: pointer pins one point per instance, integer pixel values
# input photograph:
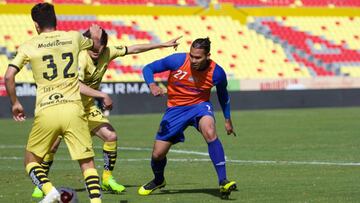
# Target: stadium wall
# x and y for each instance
(135, 98)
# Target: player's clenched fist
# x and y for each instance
(156, 90)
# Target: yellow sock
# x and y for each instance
(39, 177)
(49, 157)
(95, 200)
(47, 162)
(110, 146)
(110, 154)
(105, 176)
(92, 183)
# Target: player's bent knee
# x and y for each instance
(86, 163)
(111, 137)
(209, 134)
(158, 156)
(31, 157)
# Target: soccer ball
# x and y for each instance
(68, 195)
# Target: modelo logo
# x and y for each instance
(55, 96)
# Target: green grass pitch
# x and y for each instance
(297, 155)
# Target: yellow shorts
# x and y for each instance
(95, 117)
(67, 120)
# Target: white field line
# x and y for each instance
(256, 162)
(121, 148)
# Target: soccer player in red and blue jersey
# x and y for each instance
(192, 75)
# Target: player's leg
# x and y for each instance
(91, 177)
(39, 178)
(43, 134)
(107, 133)
(171, 129)
(216, 153)
(92, 180)
(46, 164)
(78, 140)
(158, 163)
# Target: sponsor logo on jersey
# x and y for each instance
(55, 96)
(55, 43)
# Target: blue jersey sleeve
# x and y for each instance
(220, 81)
(172, 62)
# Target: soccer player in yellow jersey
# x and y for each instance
(92, 67)
(53, 56)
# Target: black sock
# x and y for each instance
(158, 167)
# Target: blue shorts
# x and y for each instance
(177, 119)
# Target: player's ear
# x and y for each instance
(208, 56)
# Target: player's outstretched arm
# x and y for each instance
(139, 48)
(90, 92)
(17, 109)
(219, 78)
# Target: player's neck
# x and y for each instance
(45, 30)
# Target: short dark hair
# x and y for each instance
(44, 15)
(202, 43)
(103, 39)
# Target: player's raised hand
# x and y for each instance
(18, 112)
(95, 31)
(229, 127)
(156, 90)
(107, 102)
(172, 43)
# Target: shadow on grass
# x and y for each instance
(84, 189)
(210, 191)
(107, 192)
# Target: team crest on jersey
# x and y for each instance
(191, 79)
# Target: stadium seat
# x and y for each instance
(271, 47)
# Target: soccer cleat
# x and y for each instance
(37, 193)
(52, 197)
(112, 185)
(226, 187)
(148, 188)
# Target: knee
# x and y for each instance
(111, 137)
(30, 157)
(86, 164)
(158, 156)
(209, 134)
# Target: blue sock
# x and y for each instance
(216, 153)
(158, 167)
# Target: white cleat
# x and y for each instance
(52, 197)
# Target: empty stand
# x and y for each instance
(272, 47)
(119, 2)
(319, 53)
